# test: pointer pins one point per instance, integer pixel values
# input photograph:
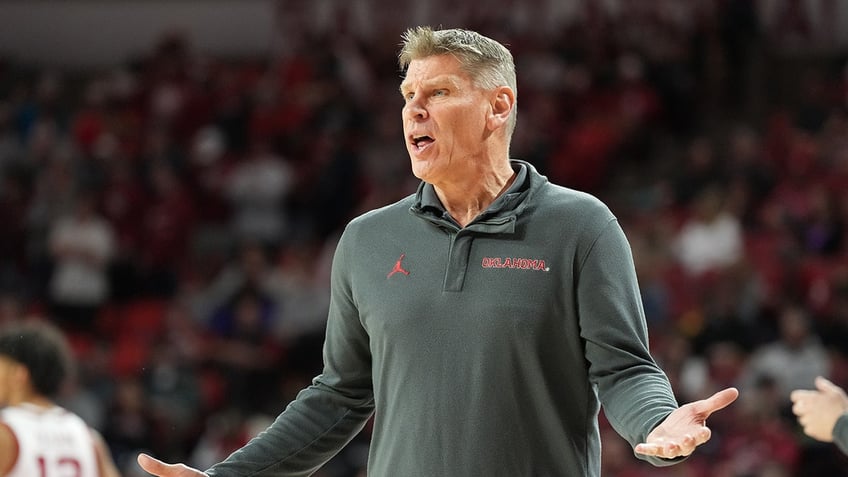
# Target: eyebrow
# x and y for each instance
(448, 79)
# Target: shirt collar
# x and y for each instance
(429, 200)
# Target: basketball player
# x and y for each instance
(37, 437)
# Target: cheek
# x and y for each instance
(468, 124)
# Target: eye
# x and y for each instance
(440, 92)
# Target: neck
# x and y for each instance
(32, 400)
(466, 199)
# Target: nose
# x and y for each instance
(413, 109)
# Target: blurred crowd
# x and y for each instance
(177, 213)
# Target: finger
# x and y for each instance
(690, 443)
(666, 451)
(800, 394)
(647, 449)
(656, 450)
(826, 386)
(703, 436)
(717, 401)
(151, 465)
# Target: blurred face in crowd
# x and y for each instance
(444, 118)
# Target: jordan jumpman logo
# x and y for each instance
(398, 268)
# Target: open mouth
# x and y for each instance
(421, 142)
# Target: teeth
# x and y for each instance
(420, 142)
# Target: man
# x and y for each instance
(483, 320)
(823, 412)
(37, 437)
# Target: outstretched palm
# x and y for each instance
(686, 427)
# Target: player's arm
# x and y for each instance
(8, 449)
(105, 464)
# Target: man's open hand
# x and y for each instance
(686, 427)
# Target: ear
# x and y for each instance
(503, 101)
(20, 374)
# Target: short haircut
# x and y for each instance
(489, 63)
(43, 350)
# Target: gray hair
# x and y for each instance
(489, 63)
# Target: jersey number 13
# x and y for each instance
(61, 467)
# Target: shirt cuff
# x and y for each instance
(840, 433)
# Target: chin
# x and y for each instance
(421, 170)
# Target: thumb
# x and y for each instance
(156, 467)
(826, 386)
(151, 465)
(717, 401)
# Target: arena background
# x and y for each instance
(173, 176)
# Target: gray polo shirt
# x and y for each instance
(486, 350)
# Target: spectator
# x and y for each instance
(131, 425)
(166, 230)
(700, 170)
(13, 208)
(246, 350)
(250, 269)
(123, 201)
(82, 245)
(790, 360)
(257, 189)
(710, 240)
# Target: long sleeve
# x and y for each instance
(325, 416)
(840, 433)
(634, 391)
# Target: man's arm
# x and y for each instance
(328, 414)
(636, 394)
(325, 416)
(312, 429)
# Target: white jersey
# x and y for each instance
(52, 442)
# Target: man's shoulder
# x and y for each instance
(561, 199)
(547, 194)
(385, 214)
(372, 228)
(379, 219)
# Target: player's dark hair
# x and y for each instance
(42, 349)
